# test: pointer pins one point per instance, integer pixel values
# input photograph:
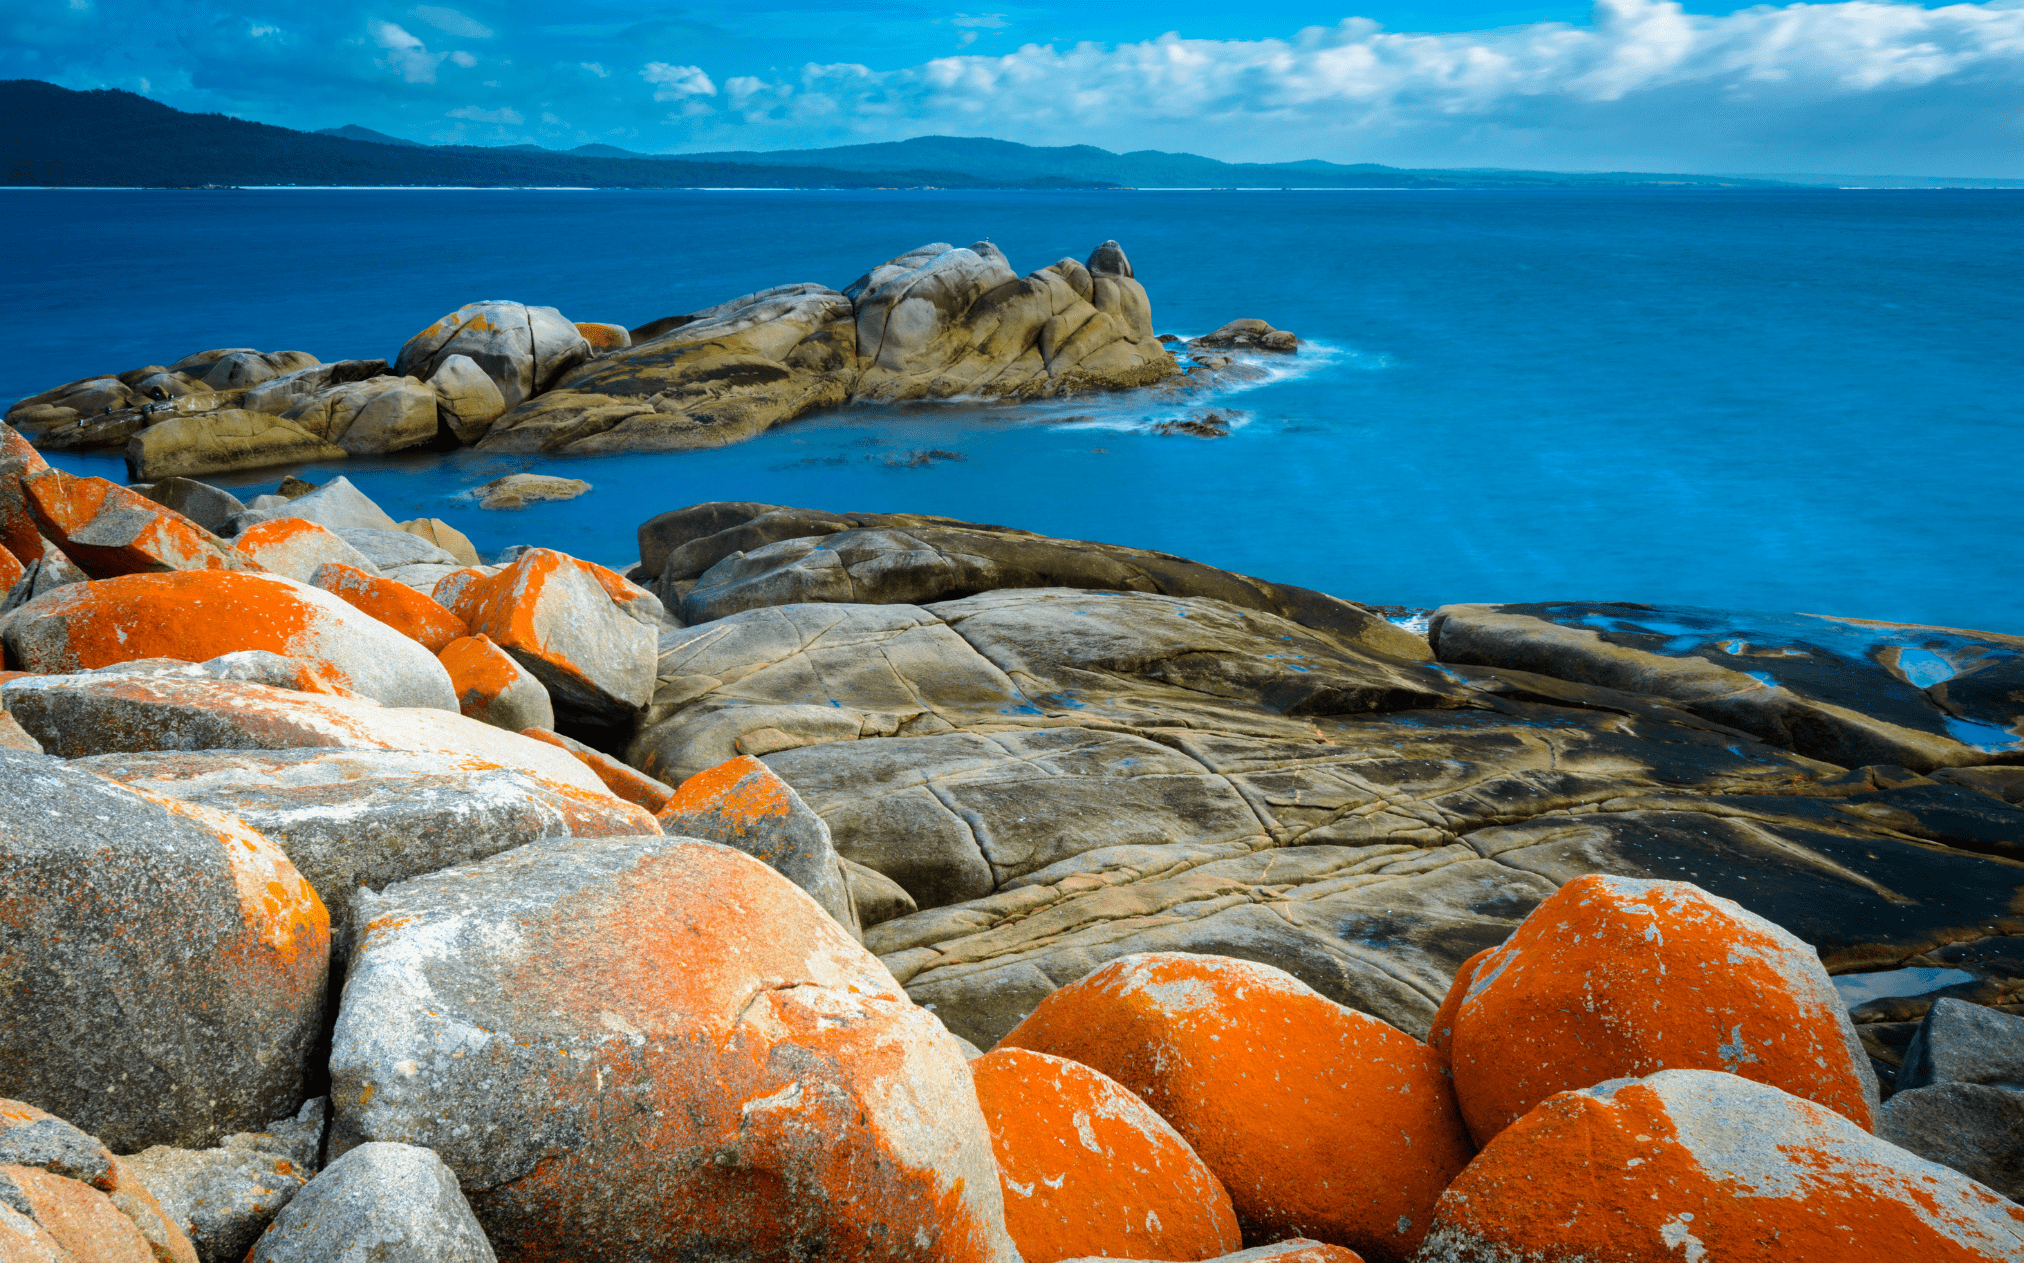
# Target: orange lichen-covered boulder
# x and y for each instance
(1703, 1165)
(295, 547)
(655, 1048)
(198, 615)
(80, 1221)
(1297, 1250)
(1616, 977)
(493, 688)
(1321, 1121)
(110, 530)
(1090, 1169)
(627, 782)
(1442, 1032)
(555, 615)
(18, 532)
(744, 804)
(413, 614)
(74, 1181)
(162, 966)
(11, 570)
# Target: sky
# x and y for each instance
(1640, 85)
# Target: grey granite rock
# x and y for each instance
(202, 503)
(1964, 1043)
(391, 549)
(380, 1203)
(1976, 1129)
(223, 1198)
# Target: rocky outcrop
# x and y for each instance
(523, 350)
(215, 442)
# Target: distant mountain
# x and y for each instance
(53, 136)
(352, 131)
(1893, 181)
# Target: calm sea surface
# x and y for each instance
(1801, 400)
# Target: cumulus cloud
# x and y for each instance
(672, 83)
(405, 54)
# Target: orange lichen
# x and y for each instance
(628, 783)
(18, 531)
(11, 569)
(1442, 1032)
(1611, 978)
(1090, 1170)
(480, 671)
(281, 910)
(156, 537)
(507, 606)
(399, 606)
(605, 338)
(78, 1218)
(742, 791)
(1320, 1121)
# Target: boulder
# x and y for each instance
(1616, 978)
(109, 530)
(338, 505)
(1248, 334)
(874, 897)
(1298, 1250)
(1698, 1164)
(163, 965)
(493, 688)
(372, 417)
(279, 394)
(517, 491)
(352, 818)
(196, 615)
(223, 440)
(11, 570)
(399, 606)
(645, 1048)
(1345, 1093)
(379, 1201)
(77, 715)
(1845, 690)
(46, 1217)
(19, 532)
(434, 530)
(1088, 1169)
(625, 782)
(52, 571)
(222, 1198)
(742, 804)
(238, 370)
(202, 503)
(555, 616)
(522, 349)
(66, 404)
(56, 1187)
(667, 532)
(296, 548)
(603, 337)
(467, 400)
(392, 550)
(1972, 1128)
(1965, 1043)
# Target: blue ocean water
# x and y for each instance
(1790, 401)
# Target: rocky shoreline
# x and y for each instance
(937, 322)
(881, 886)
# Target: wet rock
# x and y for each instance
(379, 1201)
(78, 715)
(1965, 1043)
(1973, 1128)
(742, 804)
(629, 783)
(556, 617)
(202, 503)
(1346, 1093)
(778, 1091)
(517, 491)
(222, 1198)
(65, 404)
(467, 401)
(296, 548)
(1616, 978)
(1247, 334)
(493, 688)
(197, 615)
(109, 530)
(372, 417)
(221, 441)
(166, 964)
(279, 394)
(399, 606)
(1088, 1169)
(1650, 1169)
(522, 349)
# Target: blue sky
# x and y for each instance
(1853, 86)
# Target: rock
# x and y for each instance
(1696, 1164)
(1965, 1043)
(494, 689)
(215, 442)
(341, 507)
(369, 418)
(667, 1051)
(1247, 335)
(394, 549)
(296, 548)
(517, 491)
(65, 404)
(604, 338)
(1298, 1250)
(165, 964)
(202, 503)
(278, 394)
(1973, 1128)
(71, 1180)
(63, 1221)
(109, 530)
(1844, 690)
(52, 571)
(634, 786)
(874, 897)
(466, 399)
(238, 370)
(522, 349)
(555, 616)
(742, 804)
(1345, 1093)
(1617, 978)
(668, 532)
(11, 570)
(19, 533)
(222, 1198)
(1088, 1169)
(435, 530)
(36, 1139)
(379, 1201)
(196, 615)
(292, 488)
(400, 607)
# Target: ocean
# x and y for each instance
(1802, 400)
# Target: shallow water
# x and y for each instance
(1781, 401)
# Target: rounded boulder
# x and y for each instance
(1320, 1121)
(493, 688)
(413, 614)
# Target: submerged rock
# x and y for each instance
(517, 491)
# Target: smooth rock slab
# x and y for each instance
(379, 1203)
(162, 966)
(648, 1048)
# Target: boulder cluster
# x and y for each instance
(362, 900)
(936, 322)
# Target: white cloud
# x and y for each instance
(505, 115)
(463, 59)
(595, 69)
(991, 21)
(675, 82)
(405, 54)
(451, 22)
